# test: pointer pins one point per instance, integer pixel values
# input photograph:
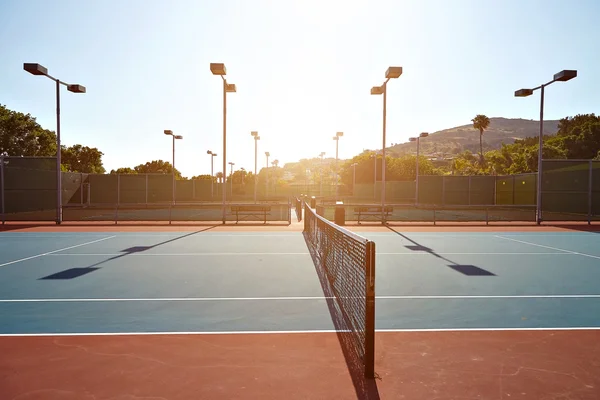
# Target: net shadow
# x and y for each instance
(366, 389)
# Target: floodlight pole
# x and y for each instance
(561, 76)
(173, 189)
(37, 69)
(383, 151)
(540, 157)
(224, 183)
(59, 213)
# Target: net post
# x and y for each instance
(2, 187)
(591, 167)
(370, 312)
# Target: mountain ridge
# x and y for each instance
(454, 140)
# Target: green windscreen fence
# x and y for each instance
(29, 188)
(570, 190)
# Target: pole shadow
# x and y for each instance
(72, 273)
(366, 389)
(465, 269)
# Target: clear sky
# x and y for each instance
(303, 70)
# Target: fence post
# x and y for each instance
(81, 188)
(470, 176)
(118, 198)
(146, 189)
(514, 186)
(193, 190)
(2, 187)
(590, 182)
(118, 189)
(444, 190)
(89, 193)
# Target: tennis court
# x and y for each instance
(207, 312)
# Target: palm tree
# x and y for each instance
(275, 163)
(481, 123)
(219, 176)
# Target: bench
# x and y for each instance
(250, 211)
(372, 213)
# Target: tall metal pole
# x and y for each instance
(375, 177)
(212, 177)
(267, 186)
(224, 195)
(173, 189)
(337, 142)
(58, 159)
(417, 176)
(383, 154)
(255, 168)
(541, 143)
(231, 177)
(2, 187)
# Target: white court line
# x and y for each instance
(403, 253)
(198, 299)
(54, 251)
(549, 247)
(315, 331)
(134, 254)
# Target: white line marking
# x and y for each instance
(134, 254)
(54, 251)
(316, 331)
(549, 247)
(403, 253)
(416, 297)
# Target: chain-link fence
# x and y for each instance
(570, 190)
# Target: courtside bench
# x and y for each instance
(254, 211)
(372, 213)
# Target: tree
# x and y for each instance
(157, 167)
(78, 158)
(21, 135)
(481, 123)
(204, 177)
(123, 170)
(219, 176)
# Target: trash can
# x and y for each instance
(340, 213)
(313, 202)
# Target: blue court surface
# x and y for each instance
(209, 281)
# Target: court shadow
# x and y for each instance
(468, 270)
(72, 273)
(365, 388)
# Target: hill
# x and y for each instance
(452, 141)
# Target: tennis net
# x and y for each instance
(346, 261)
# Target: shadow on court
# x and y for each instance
(469, 270)
(73, 273)
(366, 389)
